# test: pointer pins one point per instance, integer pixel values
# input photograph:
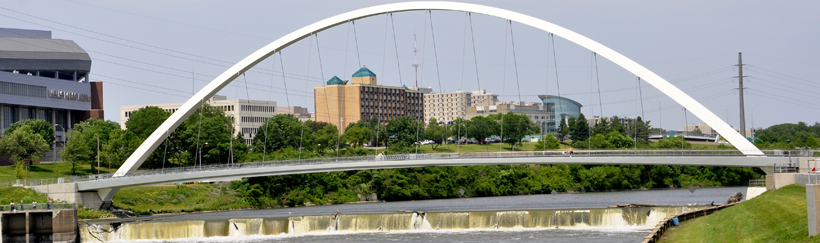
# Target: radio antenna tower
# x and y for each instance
(415, 59)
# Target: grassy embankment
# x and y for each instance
(54, 170)
(775, 216)
(179, 198)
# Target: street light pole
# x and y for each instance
(54, 152)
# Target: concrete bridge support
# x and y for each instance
(69, 193)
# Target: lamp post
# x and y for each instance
(200, 155)
(54, 152)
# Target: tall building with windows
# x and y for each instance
(344, 102)
(482, 98)
(251, 114)
(446, 107)
(47, 79)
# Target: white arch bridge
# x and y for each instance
(750, 155)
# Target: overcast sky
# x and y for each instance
(149, 52)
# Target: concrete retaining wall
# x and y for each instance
(68, 192)
(656, 233)
(778, 180)
(39, 226)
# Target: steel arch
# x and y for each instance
(145, 149)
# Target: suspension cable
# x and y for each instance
(635, 121)
(545, 123)
(597, 79)
(347, 44)
(463, 56)
(396, 48)
(504, 84)
(327, 104)
(302, 135)
(199, 149)
(356, 38)
(475, 58)
(423, 53)
(164, 154)
(640, 92)
(557, 81)
(515, 62)
(384, 45)
(435, 56)
(591, 105)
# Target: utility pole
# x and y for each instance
(415, 59)
(740, 92)
(98, 155)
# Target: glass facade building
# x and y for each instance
(559, 108)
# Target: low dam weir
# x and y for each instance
(638, 218)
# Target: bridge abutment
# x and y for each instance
(68, 192)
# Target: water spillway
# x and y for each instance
(638, 218)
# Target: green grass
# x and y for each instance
(179, 198)
(51, 171)
(775, 216)
(87, 213)
(15, 194)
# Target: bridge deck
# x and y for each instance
(386, 162)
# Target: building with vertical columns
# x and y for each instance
(481, 97)
(344, 102)
(48, 79)
(446, 107)
(251, 114)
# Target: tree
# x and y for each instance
(516, 127)
(121, 144)
(282, 131)
(83, 139)
(601, 127)
(434, 132)
(563, 129)
(357, 135)
(673, 143)
(618, 140)
(482, 127)
(548, 142)
(144, 121)
(327, 137)
(459, 128)
(316, 126)
(41, 127)
(404, 129)
(24, 147)
(207, 136)
(579, 129)
(617, 125)
(639, 127)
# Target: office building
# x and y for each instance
(300, 112)
(482, 98)
(251, 113)
(48, 79)
(344, 102)
(446, 107)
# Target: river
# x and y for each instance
(564, 217)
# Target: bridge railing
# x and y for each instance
(36, 207)
(402, 157)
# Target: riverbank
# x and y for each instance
(775, 216)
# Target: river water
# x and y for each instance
(562, 217)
